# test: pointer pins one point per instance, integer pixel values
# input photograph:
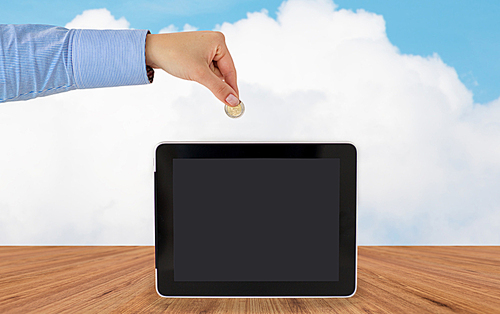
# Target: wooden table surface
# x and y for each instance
(391, 279)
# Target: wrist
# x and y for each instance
(150, 38)
(149, 67)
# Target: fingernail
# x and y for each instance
(232, 100)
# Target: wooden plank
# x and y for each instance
(96, 279)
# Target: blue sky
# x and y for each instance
(465, 34)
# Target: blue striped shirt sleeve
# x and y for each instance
(40, 60)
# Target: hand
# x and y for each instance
(197, 56)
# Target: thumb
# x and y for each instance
(219, 88)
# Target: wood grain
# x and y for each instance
(120, 279)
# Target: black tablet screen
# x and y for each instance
(256, 219)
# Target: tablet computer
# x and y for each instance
(255, 219)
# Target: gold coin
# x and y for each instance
(235, 112)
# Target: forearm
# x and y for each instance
(40, 60)
(35, 60)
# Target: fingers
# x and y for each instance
(223, 91)
(226, 66)
(215, 69)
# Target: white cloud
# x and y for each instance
(189, 28)
(169, 29)
(78, 167)
(172, 29)
(98, 19)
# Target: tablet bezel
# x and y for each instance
(165, 284)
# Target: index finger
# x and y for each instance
(226, 66)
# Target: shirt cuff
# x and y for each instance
(103, 58)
